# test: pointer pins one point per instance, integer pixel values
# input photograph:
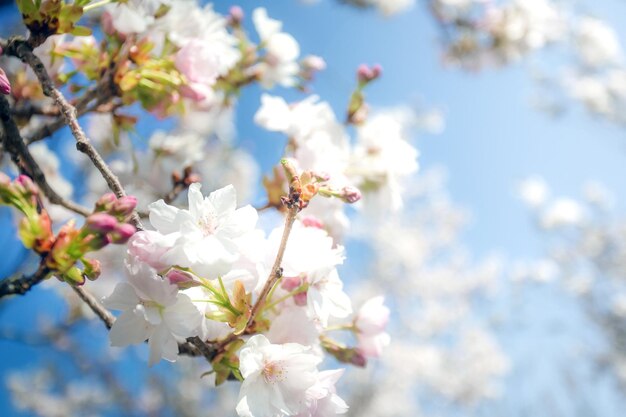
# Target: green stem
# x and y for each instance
(300, 289)
(96, 5)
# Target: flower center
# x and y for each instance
(208, 223)
(274, 372)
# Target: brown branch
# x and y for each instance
(29, 108)
(22, 284)
(82, 107)
(14, 144)
(20, 48)
(276, 272)
(192, 347)
(105, 315)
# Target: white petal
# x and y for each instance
(123, 297)
(224, 200)
(195, 200)
(163, 216)
(129, 328)
(162, 345)
(183, 318)
(239, 222)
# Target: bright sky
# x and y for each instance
(493, 138)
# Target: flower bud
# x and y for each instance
(101, 222)
(314, 63)
(124, 206)
(105, 203)
(310, 221)
(182, 279)
(5, 85)
(25, 186)
(235, 15)
(350, 194)
(74, 276)
(92, 268)
(365, 74)
(122, 233)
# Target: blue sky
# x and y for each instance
(493, 138)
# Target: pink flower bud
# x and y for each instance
(377, 71)
(364, 73)
(350, 194)
(181, 279)
(310, 221)
(300, 299)
(314, 63)
(5, 85)
(122, 233)
(124, 206)
(101, 223)
(357, 359)
(235, 15)
(105, 203)
(290, 283)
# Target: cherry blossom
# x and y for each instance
(276, 378)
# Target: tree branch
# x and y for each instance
(14, 144)
(22, 284)
(191, 347)
(105, 315)
(20, 48)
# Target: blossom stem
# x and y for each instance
(340, 327)
(273, 304)
(276, 272)
(96, 5)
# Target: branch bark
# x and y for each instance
(21, 49)
(14, 144)
(22, 284)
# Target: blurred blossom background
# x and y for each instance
(505, 268)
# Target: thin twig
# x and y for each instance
(105, 315)
(189, 348)
(14, 144)
(20, 48)
(275, 274)
(22, 284)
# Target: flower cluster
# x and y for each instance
(204, 272)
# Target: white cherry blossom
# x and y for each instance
(276, 378)
(153, 310)
(207, 233)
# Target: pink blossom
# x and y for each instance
(199, 63)
(149, 247)
(370, 324)
(5, 85)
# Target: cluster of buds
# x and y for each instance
(357, 108)
(50, 17)
(35, 229)
(304, 186)
(107, 225)
(309, 66)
